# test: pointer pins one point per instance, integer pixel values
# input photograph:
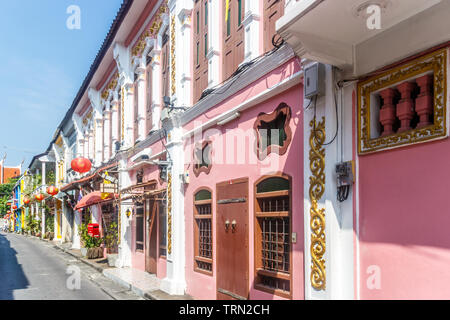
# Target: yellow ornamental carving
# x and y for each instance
(111, 86)
(172, 54)
(317, 215)
(169, 213)
(152, 31)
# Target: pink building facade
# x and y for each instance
(237, 180)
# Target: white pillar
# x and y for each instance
(183, 44)
(128, 115)
(175, 281)
(107, 132)
(124, 259)
(114, 123)
(98, 157)
(76, 243)
(91, 150)
(213, 55)
(252, 31)
(141, 102)
(156, 89)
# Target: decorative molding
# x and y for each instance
(317, 215)
(151, 31)
(435, 62)
(111, 85)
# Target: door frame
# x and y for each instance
(233, 181)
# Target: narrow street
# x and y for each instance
(34, 270)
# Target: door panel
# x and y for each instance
(232, 241)
(151, 236)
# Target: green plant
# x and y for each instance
(86, 240)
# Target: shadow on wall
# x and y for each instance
(12, 275)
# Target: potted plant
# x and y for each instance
(111, 238)
(91, 246)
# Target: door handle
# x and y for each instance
(227, 224)
(233, 225)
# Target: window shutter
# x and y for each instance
(273, 10)
(165, 65)
(233, 35)
(200, 45)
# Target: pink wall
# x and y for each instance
(138, 258)
(203, 286)
(403, 221)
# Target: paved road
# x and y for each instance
(30, 269)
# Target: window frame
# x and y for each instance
(196, 256)
(257, 242)
(199, 170)
(435, 61)
(269, 117)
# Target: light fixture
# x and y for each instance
(228, 119)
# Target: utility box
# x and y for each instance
(94, 230)
(314, 80)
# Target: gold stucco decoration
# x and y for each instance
(169, 213)
(436, 63)
(317, 215)
(172, 55)
(152, 30)
(111, 86)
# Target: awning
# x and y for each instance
(94, 198)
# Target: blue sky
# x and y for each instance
(42, 66)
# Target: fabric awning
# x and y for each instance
(94, 198)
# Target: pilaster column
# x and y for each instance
(114, 123)
(107, 132)
(98, 157)
(141, 102)
(128, 115)
(156, 89)
(252, 20)
(213, 54)
(175, 281)
(182, 51)
(76, 243)
(91, 150)
(125, 231)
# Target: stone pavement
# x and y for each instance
(142, 283)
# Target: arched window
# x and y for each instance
(203, 248)
(273, 235)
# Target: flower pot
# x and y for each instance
(84, 252)
(112, 259)
(95, 253)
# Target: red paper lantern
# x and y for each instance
(14, 207)
(52, 190)
(39, 197)
(81, 165)
(26, 200)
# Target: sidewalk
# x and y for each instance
(142, 283)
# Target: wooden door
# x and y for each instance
(151, 236)
(232, 240)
